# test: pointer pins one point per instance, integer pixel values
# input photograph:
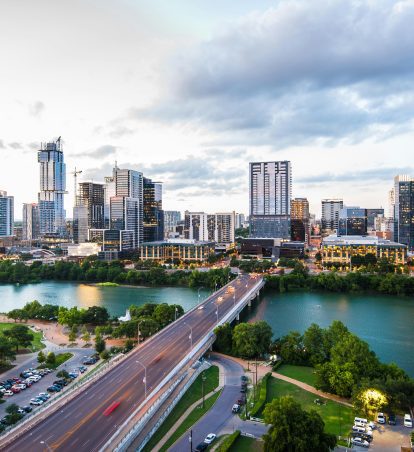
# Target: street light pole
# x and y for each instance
(145, 377)
(47, 446)
(203, 379)
(217, 311)
(198, 292)
(190, 438)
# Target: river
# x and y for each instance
(385, 322)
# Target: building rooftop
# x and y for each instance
(358, 240)
(184, 242)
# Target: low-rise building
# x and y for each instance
(83, 249)
(177, 250)
(341, 250)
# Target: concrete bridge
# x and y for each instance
(137, 384)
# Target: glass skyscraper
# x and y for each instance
(153, 213)
(404, 212)
(270, 197)
(6, 214)
(52, 216)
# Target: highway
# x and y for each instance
(81, 425)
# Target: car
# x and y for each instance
(36, 378)
(381, 419)
(21, 411)
(241, 401)
(408, 422)
(392, 419)
(8, 393)
(45, 399)
(44, 394)
(201, 307)
(359, 442)
(244, 378)
(21, 386)
(27, 408)
(36, 401)
(15, 390)
(210, 438)
(360, 424)
(361, 420)
(236, 408)
(201, 447)
(60, 382)
(371, 425)
(82, 369)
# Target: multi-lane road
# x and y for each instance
(81, 425)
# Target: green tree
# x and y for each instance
(73, 334)
(63, 374)
(263, 335)
(41, 358)
(95, 315)
(163, 314)
(295, 430)
(99, 344)
(20, 335)
(105, 355)
(313, 341)
(70, 317)
(7, 352)
(51, 358)
(223, 342)
(292, 349)
(85, 334)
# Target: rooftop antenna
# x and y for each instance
(75, 177)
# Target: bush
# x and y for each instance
(105, 355)
(258, 406)
(51, 358)
(228, 443)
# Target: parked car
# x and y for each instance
(15, 390)
(381, 419)
(27, 408)
(8, 393)
(392, 419)
(359, 442)
(408, 422)
(21, 411)
(241, 401)
(21, 386)
(201, 447)
(210, 438)
(236, 408)
(36, 401)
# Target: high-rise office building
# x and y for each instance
(126, 207)
(88, 212)
(217, 227)
(109, 191)
(240, 220)
(31, 222)
(330, 213)
(352, 221)
(6, 214)
(270, 196)
(404, 211)
(171, 219)
(153, 219)
(52, 188)
(299, 220)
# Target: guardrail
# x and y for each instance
(13, 432)
(203, 344)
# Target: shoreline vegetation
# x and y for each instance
(113, 274)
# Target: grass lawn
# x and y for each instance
(245, 444)
(191, 396)
(60, 359)
(301, 373)
(36, 342)
(338, 418)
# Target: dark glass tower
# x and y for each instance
(153, 213)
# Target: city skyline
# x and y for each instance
(345, 126)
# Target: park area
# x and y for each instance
(36, 343)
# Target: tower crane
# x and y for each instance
(75, 177)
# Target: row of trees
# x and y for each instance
(246, 340)
(391, 283)
(92, 270)
(345, 365)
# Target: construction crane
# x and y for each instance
(75, 177)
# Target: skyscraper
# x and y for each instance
(88, 212)
(270, 195)
(299, 220)
(52, 188)
(171, 219)
(353, 221)
(6, 214)
(31, 221)
(153, 220)
(126, 207)
(404, 211)
(330, 213)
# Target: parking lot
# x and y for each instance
(389, 438)
(23, 398)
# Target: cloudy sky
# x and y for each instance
(190, 91)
